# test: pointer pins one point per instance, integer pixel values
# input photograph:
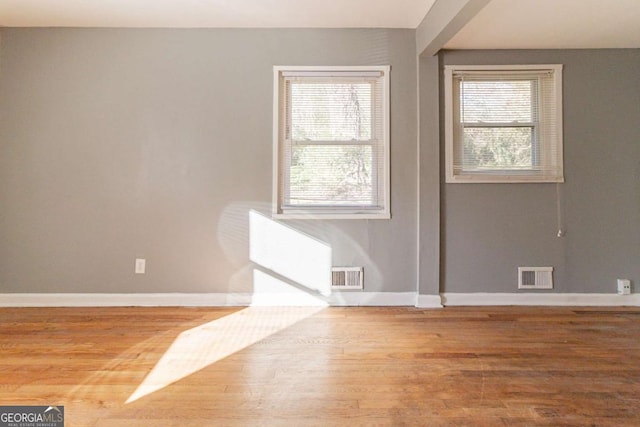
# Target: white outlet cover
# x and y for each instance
(141, 264)
(624, 287)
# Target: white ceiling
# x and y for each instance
(552, 24)
(214, 13)
(502, 24)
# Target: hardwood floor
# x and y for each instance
(497, 366)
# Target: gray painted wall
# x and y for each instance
(117, 144)
(122, 143)
(429, 249)
(488, 230)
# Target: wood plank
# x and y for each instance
(387, 366)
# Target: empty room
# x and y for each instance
(319, 213)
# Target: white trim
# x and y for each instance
(506, 68)
(330, 216)
(275, 171)
(123, 300)
(386, 116)
(530, 298)
(336, 299)
(499, 179)
(558, 70)
(418, 175)
(331, 73)
(320, 68)
(448, 123)
(429, 301)
(205, 299)
(373, 299)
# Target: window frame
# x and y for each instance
(539, 144)
(380, 184)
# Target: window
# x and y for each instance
(331, 142)
(503, 123)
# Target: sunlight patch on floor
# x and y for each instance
(199, 347)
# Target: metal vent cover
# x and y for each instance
(535, 277)
(347, 278)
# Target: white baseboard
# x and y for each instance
(207, 299)
(429, 301)
(123, 300)
(529, 298)
(336, 299)
(373, 299)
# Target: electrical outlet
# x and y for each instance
(624, 287)
(141, 265)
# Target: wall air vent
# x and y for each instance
(343, 278)
(535, 277)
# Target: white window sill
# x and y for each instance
(316, 216)
(505, 179)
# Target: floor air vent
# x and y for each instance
(347, 278)
(535, 277)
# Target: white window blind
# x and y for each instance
(504, 124)
(332, 142)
